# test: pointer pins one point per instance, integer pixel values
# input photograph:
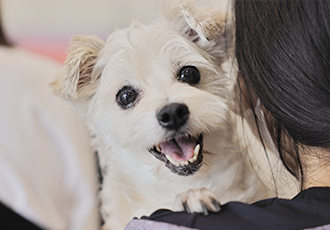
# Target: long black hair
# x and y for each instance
(283, 57)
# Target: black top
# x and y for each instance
(9, 220)
(310, 208)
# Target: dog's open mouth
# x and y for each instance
(182, 155)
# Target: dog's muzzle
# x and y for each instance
(182, 153)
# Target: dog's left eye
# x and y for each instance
(126, 96)
(189, 74)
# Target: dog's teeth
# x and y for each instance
(158, 148)
(196, 150)
(182, 163)
(193, 159)
(172, 160)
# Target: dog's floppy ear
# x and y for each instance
(210, 28)
(77, 80)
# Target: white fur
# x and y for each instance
(148, 59)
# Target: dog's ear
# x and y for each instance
(78, 79)
(210, 28)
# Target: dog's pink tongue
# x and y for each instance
(181, 149)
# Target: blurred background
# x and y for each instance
(46, 26)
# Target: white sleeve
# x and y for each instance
(47, 171)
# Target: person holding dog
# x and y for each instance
(283, 57)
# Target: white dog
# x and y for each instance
(156, 100)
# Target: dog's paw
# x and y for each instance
(200, 200)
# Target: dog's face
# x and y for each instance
(152, 91)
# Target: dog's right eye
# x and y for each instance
(126, 96)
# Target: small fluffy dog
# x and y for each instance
(156, 99)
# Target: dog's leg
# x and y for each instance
(200, 200)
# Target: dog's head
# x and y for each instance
(154, 90)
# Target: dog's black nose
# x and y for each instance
(173, 116)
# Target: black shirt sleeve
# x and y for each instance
(310, 208)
